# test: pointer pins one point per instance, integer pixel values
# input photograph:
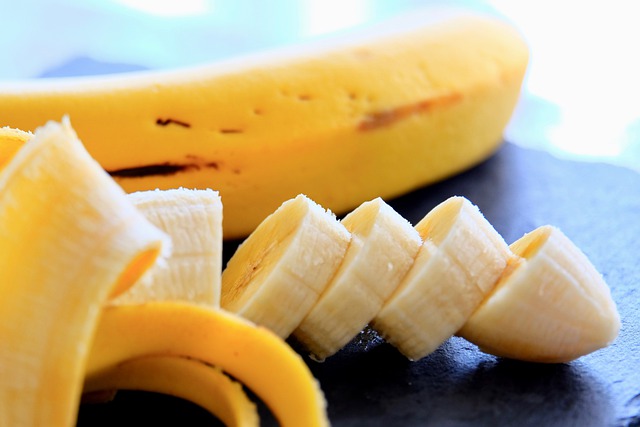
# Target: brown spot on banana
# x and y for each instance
(169, 121)
(162, 169)
(382, 118)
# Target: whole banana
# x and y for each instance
(342, 123)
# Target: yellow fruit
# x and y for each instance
(69, 238)
(343, 123)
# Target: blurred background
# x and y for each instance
(581, 98)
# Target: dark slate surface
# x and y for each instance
(370, 384)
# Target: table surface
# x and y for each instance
(595, 201)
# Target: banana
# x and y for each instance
(383, 246)
(551, 306)
(10, 142)
(185, 378)
(459, 263)
(193, 220)
(372, 116)
(253, 355)
(69, 239)
(277, 274)
(453, 274)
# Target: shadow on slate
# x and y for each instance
(369, 383)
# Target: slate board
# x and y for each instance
(370, 384)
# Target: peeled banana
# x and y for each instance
(193, 220)
(71, 240)
(552, 305)
(452, 274)
(343, 122)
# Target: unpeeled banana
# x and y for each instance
(345, 122)
(539, 300)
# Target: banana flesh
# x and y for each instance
(192, 380)
(278, 273)
(371, 116)
(193, 220)
(383, 246)
(458, 276)
(254, 356)
(73, 239)
(551, 306)
(66, 250)
(459, 263)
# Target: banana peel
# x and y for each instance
(92, 244)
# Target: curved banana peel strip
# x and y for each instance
(189, 379)
(69, 239)
(253, 355)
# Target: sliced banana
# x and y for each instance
(383, 246)
(459, 263)
(552, 306)
(193, 220)
(277, 274)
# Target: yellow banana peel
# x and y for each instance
(343, 123)
(69, 239)
(72, 240)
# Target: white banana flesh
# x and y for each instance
(419, 287)
(552, 306)
(459, 263)
(383, 246)
(193, 220)
(277, 274)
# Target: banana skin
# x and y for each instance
(342, 122)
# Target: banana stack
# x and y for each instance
(539, 299)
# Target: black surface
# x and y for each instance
(370, 384)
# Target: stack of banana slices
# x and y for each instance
(305, 273)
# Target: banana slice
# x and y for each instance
(253, 355)
(459, 263)
(279, 271)
(69, 238)
(189, 379)
(552, 306)
(383, 246)
(193, 220)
